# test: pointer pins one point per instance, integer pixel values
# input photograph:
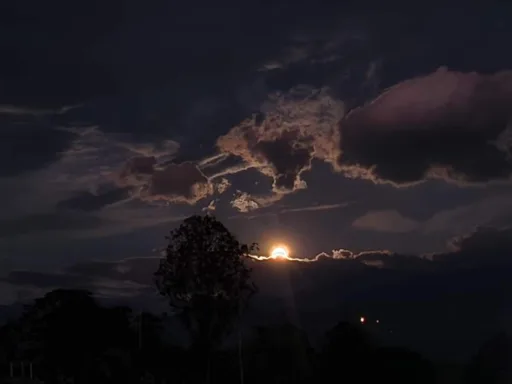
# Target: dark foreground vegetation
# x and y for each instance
(68, 337)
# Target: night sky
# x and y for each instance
(378, 136)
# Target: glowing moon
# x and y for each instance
(279, 252)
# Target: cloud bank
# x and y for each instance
(447, 124)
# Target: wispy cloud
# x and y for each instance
(16, 110)
(488, 211)
(311, 208)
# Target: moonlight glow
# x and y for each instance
(279, 252)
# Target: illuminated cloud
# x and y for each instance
(223, 185)
(176, 183)
(385, 221)
(16, 110)
(311, 208)
(290, 131)
(210, 207)
(454, 221)
(165, 148)
(183, 183)
(448, 125)
(244, 202)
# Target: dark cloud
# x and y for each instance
(177, 183)
(29, 143)
(138, 166)
(128, 277)
(87, 202)
(48, 280)
(444, 125)
(48, 222)
(289, 160)
(484, 247)
(138, 269)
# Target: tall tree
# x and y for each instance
(205, 278)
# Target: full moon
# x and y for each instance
(279, 252)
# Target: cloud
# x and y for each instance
(290, 131)
(482, 246)
(176, 183)
(485, 246)
(121, 278)
(45, 223)
(87, 201)
(129, 216)
(442, 125)
(223, 185)
(164, 149)
(385, 221)
(183, 183)
(210, 207)
(28, 146)
(244, 202)
(17, 110)
(73, 193)
(136, 269)
(40, 282)
(47, 280)
(486, 212)
(311, 208)
(314, 48)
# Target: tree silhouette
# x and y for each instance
(67, 335)
(206, 280)
(279, 354)
(492, 363)
(345, 353)
(400, 366)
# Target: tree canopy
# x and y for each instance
(205, 277)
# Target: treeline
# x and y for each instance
(67, 337)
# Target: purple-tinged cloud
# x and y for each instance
(448, 125)
(177, 183)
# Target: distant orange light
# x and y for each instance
(362, 320)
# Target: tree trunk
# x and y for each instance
(202, 361)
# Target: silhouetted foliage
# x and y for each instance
(347, 348)
(493, 362)
(205, 278)
(400, 366)
(279, 354)
(66, 335)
